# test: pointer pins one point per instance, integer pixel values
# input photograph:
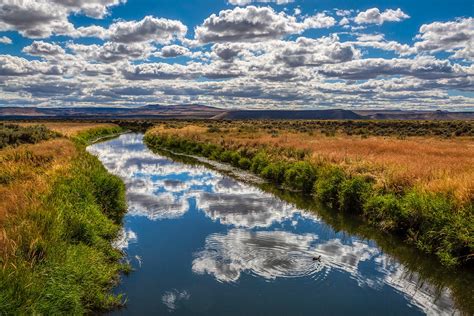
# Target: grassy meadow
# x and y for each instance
(59, 213)
(411, 178)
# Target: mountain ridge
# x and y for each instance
(199, 111)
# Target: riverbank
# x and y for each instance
(427, 201)
(61, 211)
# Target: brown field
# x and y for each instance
(431, 163)
(69, 128)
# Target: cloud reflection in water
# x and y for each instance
(159, 188)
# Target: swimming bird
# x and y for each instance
(317, 258)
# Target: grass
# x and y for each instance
(427, 200)
(14, 135)
(63, 211)
(70, 129)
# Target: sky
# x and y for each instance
(251, 54)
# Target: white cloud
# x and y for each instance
(374, 16)
(17, 66)
(40, 48)
(173, 51)
(427, 68)
(5, 40)
(112, 52)
(255, 24)
(43, 18)
(246, 2)
(378, 41)
(148, 29)
(454, 36)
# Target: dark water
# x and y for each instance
(204, 243)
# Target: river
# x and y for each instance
(203, 242)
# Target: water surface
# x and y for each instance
(202, 242)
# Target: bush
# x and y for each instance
(14, 135)
(259, 162)
(328, 185)
(235, 158)
(384, 211)
(353, 194)
(226, 156)
(245, 163)
(275, 172)
(435, 228)
(301, 176)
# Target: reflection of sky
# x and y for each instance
(263, 237)
(173, 298)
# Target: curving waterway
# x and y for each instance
(202, 242)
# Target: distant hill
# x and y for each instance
(415, 115)
(290, 114)
(197, 111)
(149, 111)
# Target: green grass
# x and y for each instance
(94, 134)
(59, 257)
(434, 223)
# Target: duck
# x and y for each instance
(318, 258)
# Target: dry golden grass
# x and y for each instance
(433, 164)
(69, 128)
(26, 172)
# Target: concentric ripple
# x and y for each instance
(267, 254)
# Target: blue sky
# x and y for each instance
(238, 53)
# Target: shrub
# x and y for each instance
(14, 135)
(301, 176)
(435, 228)
(353, 193)
(226, 156)
(245, 163)
(235, 158)
(328, 184)
(383, 211)
(275, 172)
(259, 162)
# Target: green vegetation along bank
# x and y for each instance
(433, 222)
(56, 255)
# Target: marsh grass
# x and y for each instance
(56, 254)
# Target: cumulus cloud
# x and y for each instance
(246, 56)
(378, 41)
(423, 68)
(255, 24)
(148, 29)
(374, 16)
(325, 50)
(17, 66)
(5, 40)
(92, 8)
(173, 51)
(43, 18)
(34, 19)
(112, 52)
(40, 48)
(246, 2)
(454, 36)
